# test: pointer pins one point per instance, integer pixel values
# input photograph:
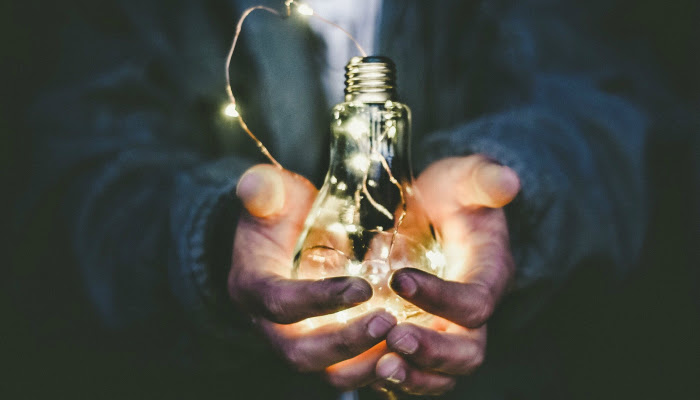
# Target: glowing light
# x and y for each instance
(385, 252)
(231, 111)
(436, 258)
(342, 316)
(342, 186)
(336, 227)
(359, 162)
(334, 180)
(372, 182)
(354, 268)
(356, 128)
(304, 9)
(351, 228)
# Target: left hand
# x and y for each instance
(464, 197)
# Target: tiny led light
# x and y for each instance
(357, 128)
(301, 9)
(231, 111)
(359, 162)
(354, 268)
(351, 228)
(304, 9)
(384, 252)
(437, 259)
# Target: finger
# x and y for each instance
(315, 350)
(267, 231)
(398, 373)
(267, 191)
(488, 184)
(452, 353)
(286, 301)
(475, 180)
(356, 372)
(261, 190)
(467, 304)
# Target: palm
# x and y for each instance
(463, 196)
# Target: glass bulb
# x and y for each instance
(367, 219)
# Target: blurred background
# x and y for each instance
(641, 340)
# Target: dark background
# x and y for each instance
(640, 340)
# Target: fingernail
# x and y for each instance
(403, 284)
(500, 183)
(407, 344)
(508, 180)
(249, 184)
(356, 293)
(391, 370)
(493, 172)
(261, 191)
(379, 327)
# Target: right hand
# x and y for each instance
(277, 202)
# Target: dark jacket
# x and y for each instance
(134, 137)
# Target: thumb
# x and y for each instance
(261, 190)
(277, 202)
(475, 181)
(489, 184)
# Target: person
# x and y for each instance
(530, 128)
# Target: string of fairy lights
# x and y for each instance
(291, 7)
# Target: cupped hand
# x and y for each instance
(464, 197)
(277, 202)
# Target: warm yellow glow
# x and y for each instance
(343, 316)
(354, 268)
(304, 9)
(231, 111)
(336, 228)
(359, 162)
(357, 128)
(437, 259)
(384, 252)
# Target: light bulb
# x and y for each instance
(367, 221)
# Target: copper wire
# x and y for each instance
(229, 91)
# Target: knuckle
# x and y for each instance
(473, 362)
(444, 388)
(345, 344)
(482, 308)
(274, 307)
(296, 357)
(478, 359)
(432, 359)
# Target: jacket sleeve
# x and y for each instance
(575, 141)
(148, 193)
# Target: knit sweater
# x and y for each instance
(133, 133)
